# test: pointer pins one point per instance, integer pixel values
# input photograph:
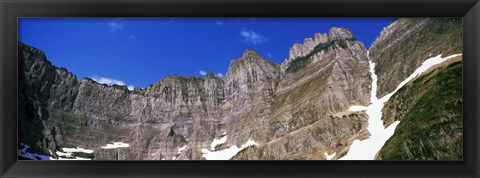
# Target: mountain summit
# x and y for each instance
(299, 109)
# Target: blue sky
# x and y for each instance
(141, 51)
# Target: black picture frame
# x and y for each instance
(10, 10)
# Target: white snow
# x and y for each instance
(59, 153)
(228, 153)
(329, 157)
(116, 145)
(357, 108)
(218, 142)
(67, 152)
(180, 150)
(77, 149)
(368, 148)
(23, 153)
(76, 158)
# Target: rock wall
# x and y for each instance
(404, 44)
(294, 110)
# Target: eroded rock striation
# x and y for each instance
(296, 110)
(428, 108)
(403, 45)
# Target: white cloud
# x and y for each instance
(219, 23)
(204, 73)
(132, 37)
(251, 37)
(110, 82)
(115, 25)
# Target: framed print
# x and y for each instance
(261, 89)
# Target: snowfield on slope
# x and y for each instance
(225, 154)
(23, 153)
(368, 148)
(116, 145)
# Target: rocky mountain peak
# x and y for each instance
(336, 33)
(249, 53)
(338, 41)
(249, 58)
(182, 111)
(29, 49)
(87, 81)
(248, 69)
(298, 110)
(210, 75)
(320, 38)
(309, 44)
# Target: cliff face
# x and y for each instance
(308, 114)
(295, 110)
(403, 45)
(42, 87)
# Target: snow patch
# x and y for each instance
(116, 145)
(218, 142)
(368, 148)
(357, 108)
(77, 149)
(329, 157)
(23, 153)
(59, 153)
(228, 153)
(76, 158)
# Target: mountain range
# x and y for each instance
(260, 110)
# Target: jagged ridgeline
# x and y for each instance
(298, 109)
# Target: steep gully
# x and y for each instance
(360, 149)
(367, 149)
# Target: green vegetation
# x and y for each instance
(432, 128)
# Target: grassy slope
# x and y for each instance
(430, 114)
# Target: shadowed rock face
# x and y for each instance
(292, 110)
